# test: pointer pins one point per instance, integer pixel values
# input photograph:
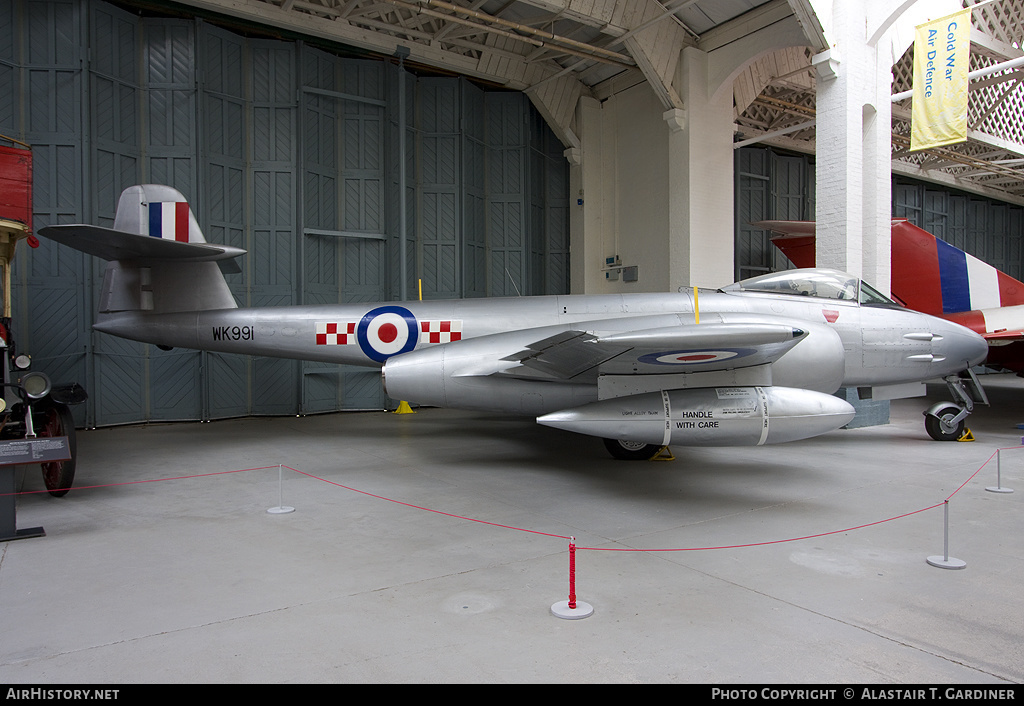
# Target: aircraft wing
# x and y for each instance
(582, 355)
(1002, 337)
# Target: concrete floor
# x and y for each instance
(191, 580)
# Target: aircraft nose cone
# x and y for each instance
(976, 348)
(967, 346)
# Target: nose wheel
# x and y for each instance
(945, 421)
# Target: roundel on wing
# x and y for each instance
(695, 357)
(387, 331)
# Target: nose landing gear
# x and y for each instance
(945, 421)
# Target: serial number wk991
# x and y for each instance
(233, 333)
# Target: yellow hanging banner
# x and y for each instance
(941, 57)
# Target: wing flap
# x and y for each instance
(566, 355)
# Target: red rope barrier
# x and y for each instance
(974, 474)
(772, 541)
(425, 509)
(572, 545)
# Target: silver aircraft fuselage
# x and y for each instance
(849, 345)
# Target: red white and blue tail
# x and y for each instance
(158, 211)
(158, 259)
(932, 276)
(928, 274)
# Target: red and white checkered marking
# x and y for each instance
(440, 331)
(333, 334)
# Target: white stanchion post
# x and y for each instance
(944, 561)
(281, 507)
(999, 476)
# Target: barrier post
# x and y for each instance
(572, 573)
(944, 561)
(998, 488)
(281, 508)
(572, 609)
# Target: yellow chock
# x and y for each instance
(404, 408)
(968, 436)
(664, 454)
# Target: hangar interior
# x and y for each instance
(506, 147)
(547, 146)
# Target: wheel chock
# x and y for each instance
(664, 454)
(404, 408)
(968, 436)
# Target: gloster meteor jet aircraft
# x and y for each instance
(753, 363)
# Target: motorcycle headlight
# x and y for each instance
(22, 362)
(36, 385)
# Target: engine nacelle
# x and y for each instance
(817, 362)
(466, 375)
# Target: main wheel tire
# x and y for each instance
(939, 425)
(631, 450)
(59, 475)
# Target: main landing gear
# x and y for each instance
(631, 450)
(625, 450)
(945, 421)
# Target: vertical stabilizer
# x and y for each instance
(158, 260)
(928, 274)
(158, 211)
(934, 277)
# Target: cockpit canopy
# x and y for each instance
(820, 283)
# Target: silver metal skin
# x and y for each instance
(721, 416)
(788, 340)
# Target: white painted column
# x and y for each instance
(700, 188)
(853, 151)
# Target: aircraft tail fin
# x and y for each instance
(928, 274)
(938, 278)
(158, 211)
(159, 260)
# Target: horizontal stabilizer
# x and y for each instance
(794, 238)
(157, 258)
(787, 227)
(112, 244)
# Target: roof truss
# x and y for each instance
(558, 50)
